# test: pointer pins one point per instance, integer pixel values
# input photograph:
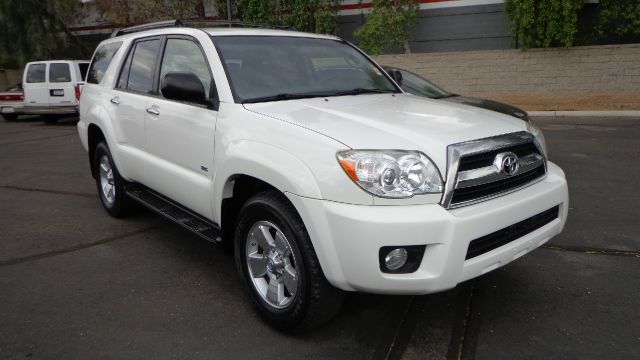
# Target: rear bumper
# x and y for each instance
(51, 110)
(347, 238)
(11, 109)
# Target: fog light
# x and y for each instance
(396, 259)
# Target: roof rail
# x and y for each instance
(196, 24)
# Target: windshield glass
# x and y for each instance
(420, 86)
(271, 68)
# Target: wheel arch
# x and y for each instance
(94, 137)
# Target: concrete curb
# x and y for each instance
(604, 113)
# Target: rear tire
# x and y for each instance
(10, 117)
(285, 282)
(111, 186)
(50, 119)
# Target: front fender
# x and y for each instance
(275, 166)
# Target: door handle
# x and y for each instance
(153, 110)
(115, 100)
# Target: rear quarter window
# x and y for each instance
(101, 60)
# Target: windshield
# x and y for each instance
(270, 68)
(420, 86)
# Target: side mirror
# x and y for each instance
(183, 86)
(396, 75)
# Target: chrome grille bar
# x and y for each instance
(486, 174)
(492, 173)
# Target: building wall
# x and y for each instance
(445, 25)
(579, 78)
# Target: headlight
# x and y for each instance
(537, 133)
(391, 173)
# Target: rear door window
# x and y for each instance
(142, 69)
(101, 60)
(36, 73)
(59, 73)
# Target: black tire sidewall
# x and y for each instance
(117, 208)
(261, 209)
(51, 119)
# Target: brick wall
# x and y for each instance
(579, 78)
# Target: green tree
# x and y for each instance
(543, 23)
(618, 17)
(34, 30)
(319, 16)
(388, 25)
(134, 12)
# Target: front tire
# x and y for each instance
(276, 259)
(111, 186)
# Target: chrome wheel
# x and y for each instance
(107, 183)
(271, 264)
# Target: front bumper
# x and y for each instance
(347, 237)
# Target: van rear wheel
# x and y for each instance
(10, 117)
(50, 119)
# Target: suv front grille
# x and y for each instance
(468, 194)
(486, 159)
(504, 236)
(473, 175)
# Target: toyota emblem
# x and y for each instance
(507, 163)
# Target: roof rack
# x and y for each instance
(194, 24)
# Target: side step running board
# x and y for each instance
(176, 213)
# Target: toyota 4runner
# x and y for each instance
(303, 158)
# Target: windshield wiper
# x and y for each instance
(445, 96)
(358, 91)
(283, 96)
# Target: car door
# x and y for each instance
(180, 134)
(129, 101)
(36, 92)
(61, 91)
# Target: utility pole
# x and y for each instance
(229, 10)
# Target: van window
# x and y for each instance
(101, 60)
(59, 73)
(83, 70)
(142, 66)
(36, 73)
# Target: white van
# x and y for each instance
(52, 88)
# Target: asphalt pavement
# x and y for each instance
(78, 284)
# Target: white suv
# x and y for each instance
(302, 157)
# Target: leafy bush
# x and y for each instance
(388, 25)
(317, 16)
(543, 23)
(618, 17)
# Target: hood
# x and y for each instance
(386, 121)
(489, 105)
